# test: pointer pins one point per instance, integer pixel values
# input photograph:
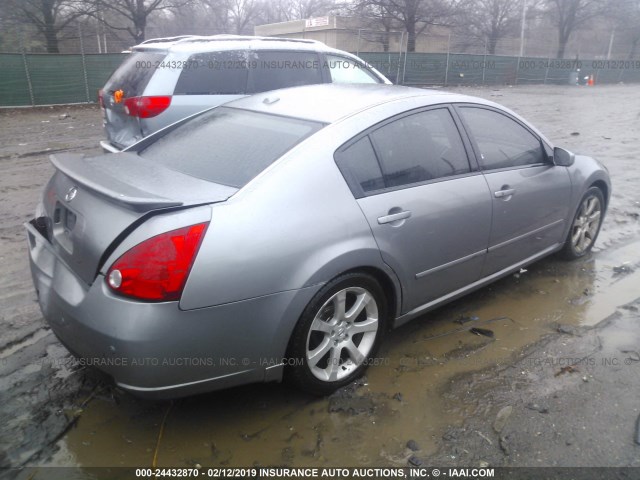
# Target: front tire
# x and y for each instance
(586, 225)
(337, 335)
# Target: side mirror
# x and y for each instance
(562, 157)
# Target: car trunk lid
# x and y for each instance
(90, 203)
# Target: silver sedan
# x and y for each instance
(281, 235)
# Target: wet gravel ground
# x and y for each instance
(542, 390)
(35, 387)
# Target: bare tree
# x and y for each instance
(626, 23)
(243, 15)
(378, 21)
(49, 17)
(492, 20)
(275, 11)
(568, 15)
(418, 15)
(135, 14)
(310, 8)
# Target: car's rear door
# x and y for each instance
(429, 210)
(530, 194)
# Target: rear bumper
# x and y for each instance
(108, 147)
(156, 350)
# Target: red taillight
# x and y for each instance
(157, 269)
(100, 98)
(146, 107)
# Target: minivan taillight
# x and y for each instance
(157, 269)
(146, 107)
(101, 98)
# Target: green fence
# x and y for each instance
(466, 69)
(45, 79)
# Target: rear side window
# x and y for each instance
(270, 70)
(214, 73)
(503, 142)
(240, 72)
(420, 147)
(360, 167)
(345, 70)
(229, 146)
(133, 75)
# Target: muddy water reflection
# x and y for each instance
(400, 400)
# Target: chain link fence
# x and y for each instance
(438, 60)
(461, 69)
(47, 79)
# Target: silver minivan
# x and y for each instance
(165, 80)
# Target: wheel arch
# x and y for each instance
(391, 289)
(602, 185)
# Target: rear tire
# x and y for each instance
(337, 335)
(585, 225)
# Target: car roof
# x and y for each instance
(196, 43)
(328, 103)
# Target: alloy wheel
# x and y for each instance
(342, 334)
(586, 225)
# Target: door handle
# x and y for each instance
(507, 192)
(394, 217)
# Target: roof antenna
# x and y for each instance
(270, 101)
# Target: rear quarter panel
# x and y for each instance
(297, 225)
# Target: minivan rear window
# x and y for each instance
(227, 145)
(133, 75)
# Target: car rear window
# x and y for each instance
(229, 146)
(134, 73)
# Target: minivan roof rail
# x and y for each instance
(184, 39)
(166, 39)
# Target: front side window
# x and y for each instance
(228, 146)
(345, 70)
(503, 142)
(420, 147)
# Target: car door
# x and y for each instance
(429, 211)
(530, 194)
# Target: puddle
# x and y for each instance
(400, 400)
